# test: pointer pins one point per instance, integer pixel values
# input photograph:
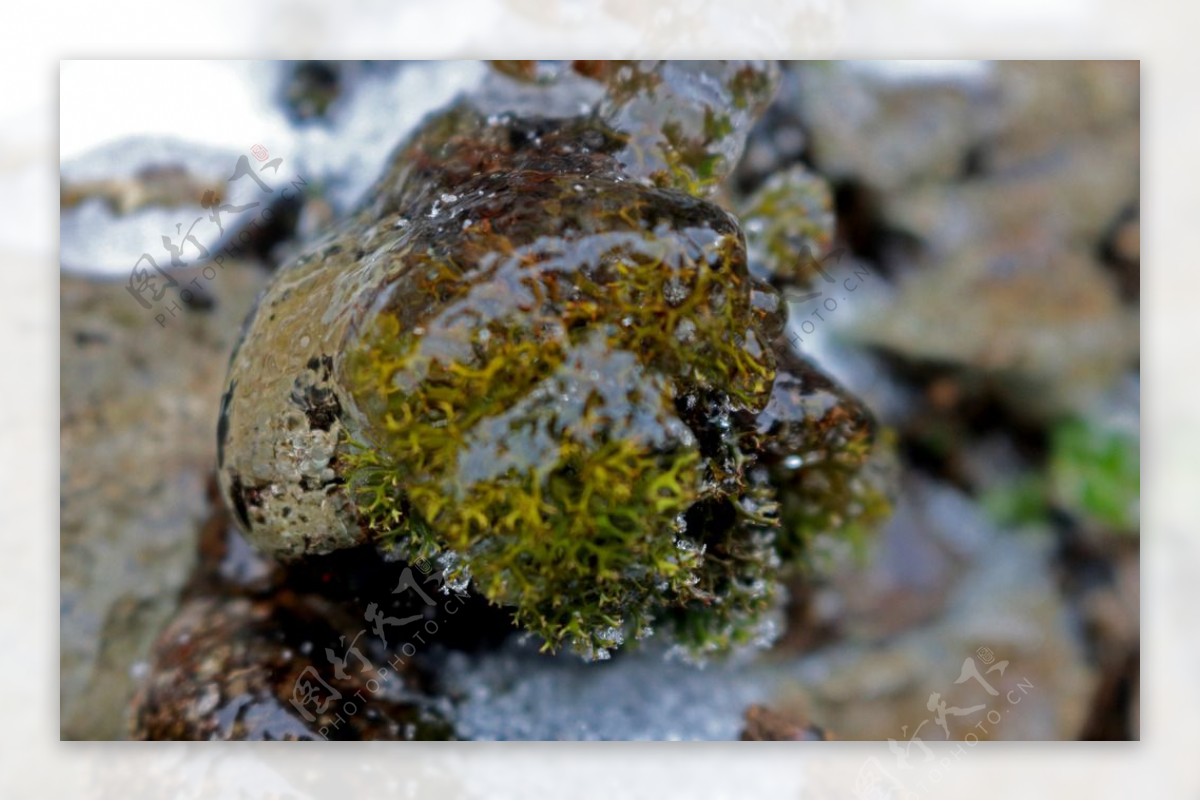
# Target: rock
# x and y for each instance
(1070, 199)
(1122, 253)
(1045, 325)
(137, 450)
(1100, 572)
(325, 649)
(777, 141)
(789, 227)
(1003, 281)
(818, 446)
(1046, 106)
(891, 124)
(913, 565)
(764, 723)
(1004, 662)
(240, 669)
(536, 356)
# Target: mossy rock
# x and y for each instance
(545, 363)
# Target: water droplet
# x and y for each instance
(458, 582)
(685, 331)
(611, 636)
(674, 291)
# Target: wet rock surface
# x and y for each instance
(244, 668)
(260, 650)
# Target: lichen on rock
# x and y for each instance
(539, 354)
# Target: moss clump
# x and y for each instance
(789, 224)
(1095, 471)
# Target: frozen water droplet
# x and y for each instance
(674, 291)
(456, 576)
(611, 636)
(685, 331)
(458, 582)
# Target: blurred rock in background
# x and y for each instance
(138, 445)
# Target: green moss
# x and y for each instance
(789, 226)
(1096, 472)
(530, 426)
(1093, 472)
(684, 123)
